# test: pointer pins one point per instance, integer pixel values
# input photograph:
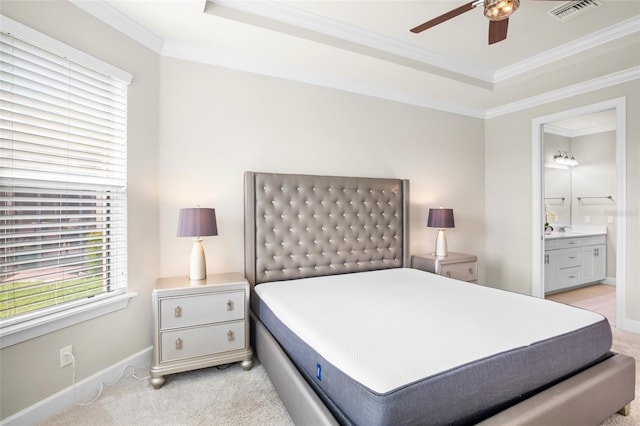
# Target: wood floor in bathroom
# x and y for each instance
(599, 298)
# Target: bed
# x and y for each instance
(348, 334)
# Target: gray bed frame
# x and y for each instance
(299, 226)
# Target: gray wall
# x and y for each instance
(216, 124)
(508, 231)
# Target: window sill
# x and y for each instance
(21, 332)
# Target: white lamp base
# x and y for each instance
(197, 265)
(441, 244)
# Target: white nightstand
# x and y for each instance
(199, 324)
(459, 266)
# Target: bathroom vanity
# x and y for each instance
(572, 259)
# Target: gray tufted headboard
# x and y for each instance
(299, 226)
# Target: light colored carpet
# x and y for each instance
(602, 299)
(234, 397)
(209, 396)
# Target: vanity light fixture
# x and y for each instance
(197, 222)
(441, 218)
(566, 159)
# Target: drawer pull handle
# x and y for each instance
(470, 271)
(449, 274)
(230, 336)
(177, 312)
(572, 276)
(178, 343)
(572, 257)
(229, 305)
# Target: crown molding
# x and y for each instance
(570, 133)
(606, 35)
(121, 22)
(284, 13)
(228, 60)
(298, 18)
(106, 13)
(566, 92)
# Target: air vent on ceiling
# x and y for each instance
(570, 10)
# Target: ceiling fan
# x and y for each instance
(497, 11)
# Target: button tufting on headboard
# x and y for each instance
(300, 225)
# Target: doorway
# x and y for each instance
(538, 124)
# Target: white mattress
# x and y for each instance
(460, 322)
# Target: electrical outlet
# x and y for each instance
(66, 356)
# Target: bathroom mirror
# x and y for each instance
(580, 192)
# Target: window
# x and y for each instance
(63, 188)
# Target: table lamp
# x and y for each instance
(441, 218)
(197, 222)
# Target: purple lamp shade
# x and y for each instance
(440, 218)
(197, 222)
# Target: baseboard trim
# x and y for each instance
(83, 390)
(609, 281)
(628, 325)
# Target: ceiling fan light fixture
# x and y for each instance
(497, 10)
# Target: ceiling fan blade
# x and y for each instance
(444, 17)
(498, 30)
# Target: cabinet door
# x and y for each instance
(551, 268)
(594, 263)
(600, 262)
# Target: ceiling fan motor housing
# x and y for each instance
(497, 10)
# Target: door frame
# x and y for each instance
(537, 144)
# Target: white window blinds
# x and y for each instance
(63, 200)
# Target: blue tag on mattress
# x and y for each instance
(319, 372)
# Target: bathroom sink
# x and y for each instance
(569, 234)
(564, 234)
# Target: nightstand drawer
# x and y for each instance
(201, 309)
(466, 271)
(459, 266)
(199, 341)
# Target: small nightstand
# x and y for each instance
(459, 266)
(199, 324)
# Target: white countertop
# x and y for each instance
(575, 231)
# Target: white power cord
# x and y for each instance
(102, 385)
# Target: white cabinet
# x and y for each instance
(574, 261)
(551, 282)
(594, 263)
